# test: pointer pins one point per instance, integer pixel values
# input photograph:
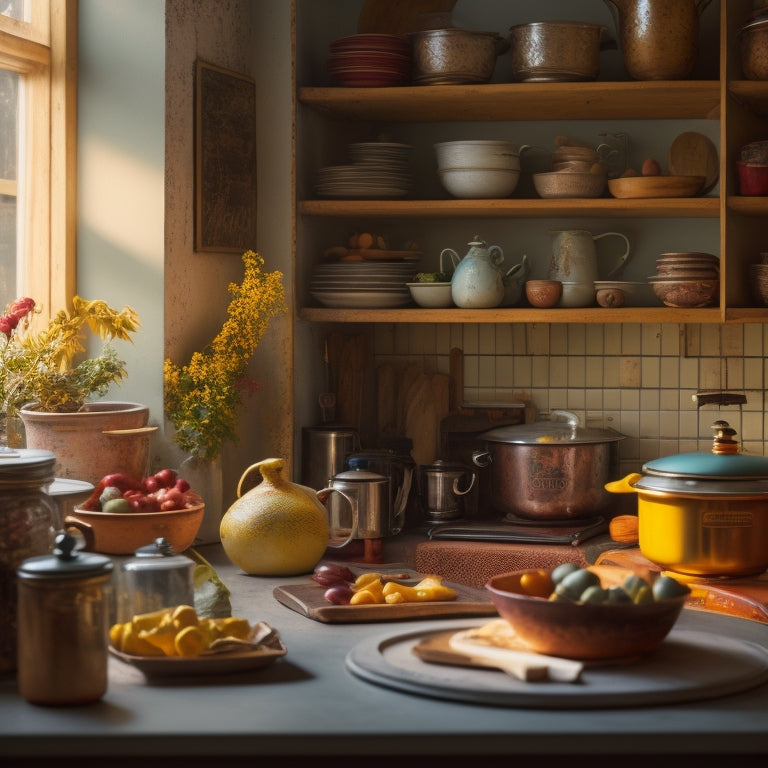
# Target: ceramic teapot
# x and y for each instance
(514, 280)
(659, 38)
(574, 256)
(477, 282)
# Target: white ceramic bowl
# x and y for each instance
(478, 154)
(431, 295)
(577, 295)
(479, 183)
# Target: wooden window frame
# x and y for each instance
(44, 51)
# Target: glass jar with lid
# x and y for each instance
(29, 519)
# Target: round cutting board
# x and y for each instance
(689, 665)
(693, 154)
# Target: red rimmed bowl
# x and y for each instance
(585, 631)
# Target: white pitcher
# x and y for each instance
(574, 256)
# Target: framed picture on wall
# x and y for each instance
(225, 160)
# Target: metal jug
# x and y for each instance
(477, 282)
(442, 494)
(369, 492)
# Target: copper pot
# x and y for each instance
(704, 514)
(550, 470)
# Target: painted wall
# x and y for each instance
(136, 196)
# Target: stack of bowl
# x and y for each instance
(687, 279)
(478, 169)
(758, 274)
(370, 60)
(576, 172)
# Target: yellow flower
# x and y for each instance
(201, 398)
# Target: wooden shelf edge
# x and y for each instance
(586, 315)
(678, 207)
(685, 99)
(748, 205)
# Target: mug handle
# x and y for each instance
(624, 256)
(85, 530)
(322, 496)
(472, 477)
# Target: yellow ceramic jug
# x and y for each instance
(278, 528)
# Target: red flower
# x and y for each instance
(21, 307)
(8, 324)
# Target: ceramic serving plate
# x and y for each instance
(211, 664)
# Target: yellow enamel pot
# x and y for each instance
(711, 520)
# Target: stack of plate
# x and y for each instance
(355, 285)
(379, 170)
(370, 60)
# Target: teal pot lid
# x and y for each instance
(724, 462)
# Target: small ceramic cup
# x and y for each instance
(543, 293)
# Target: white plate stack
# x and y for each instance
(379, 170)
(361, 284)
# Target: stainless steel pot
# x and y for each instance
(704, 514)
(550, 470)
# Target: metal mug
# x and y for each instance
(443, 496)
(369, 492)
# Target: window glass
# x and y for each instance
(9, 110)
(13, 8)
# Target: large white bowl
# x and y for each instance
(479, 183)
(478, 154)
(431, 295)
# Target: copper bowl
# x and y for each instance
(587, 631)
(116, 533)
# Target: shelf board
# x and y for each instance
(753, 93)
(675, 207)
(521, 315)
(750, 206)
(659, 100)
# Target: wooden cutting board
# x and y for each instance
(694, 154)
(309, 601)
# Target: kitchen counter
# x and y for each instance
(308, 704)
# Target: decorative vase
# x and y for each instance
(205, 476)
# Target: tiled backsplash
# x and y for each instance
(636, 378)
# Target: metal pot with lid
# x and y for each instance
(552, 469)
(703, 514)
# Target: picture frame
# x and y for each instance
(225, 160)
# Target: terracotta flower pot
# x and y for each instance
(99, 439)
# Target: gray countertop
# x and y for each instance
(308, 703)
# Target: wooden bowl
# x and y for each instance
(587, 631)
(123, 533)
(638, 187)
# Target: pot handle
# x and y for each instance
(473, 477)
(625, 485)
(85, 529)
(135, 431)
(482, 458)
(322, 496)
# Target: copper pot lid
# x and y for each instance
(562, 429)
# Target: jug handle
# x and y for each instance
(455, 259)
(322, 496)
(624, 256)
(473, 476)
(523, 267)
(496, 254)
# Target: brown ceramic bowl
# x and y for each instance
(123, 533)
(683, 293)
(587, 631)
(543, 293)
(753, 48)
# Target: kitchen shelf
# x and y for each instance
(676, 207)
(698, 99)
(520, 315)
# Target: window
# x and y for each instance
(38, 143)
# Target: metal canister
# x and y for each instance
(323, 451)
(29, 518)
(155, 578)
(63, 629)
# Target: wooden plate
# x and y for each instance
(656, 186)
(693, 154)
